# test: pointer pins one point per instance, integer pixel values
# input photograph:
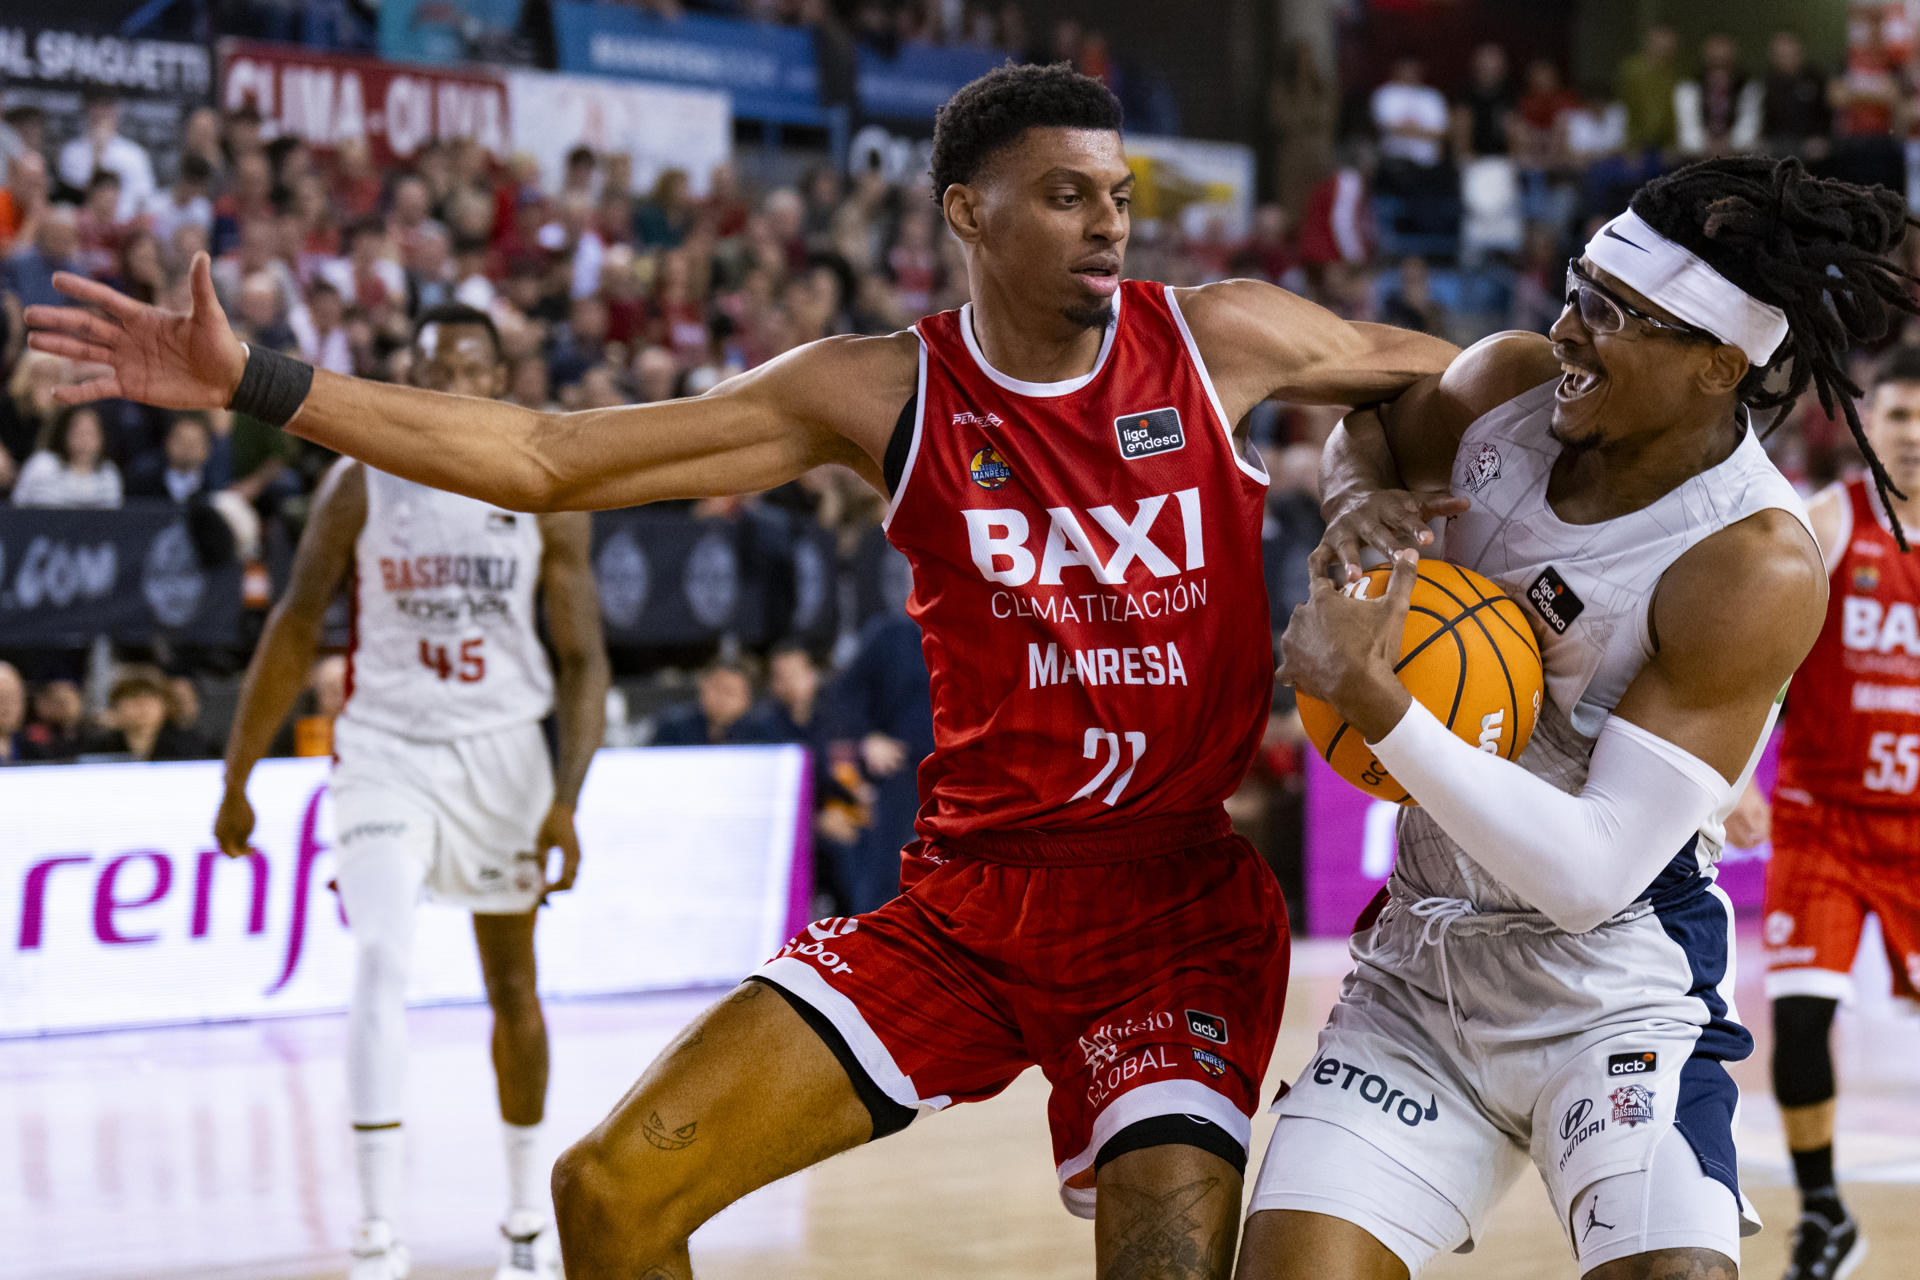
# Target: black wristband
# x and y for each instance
(272, 388)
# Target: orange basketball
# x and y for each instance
(1470, 658)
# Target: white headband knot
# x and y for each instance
(1676, 279)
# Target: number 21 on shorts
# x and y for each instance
(1106, 742)
(468, 667)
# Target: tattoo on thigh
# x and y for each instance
(668, 1139)
(1163, 1239)
(747, 991)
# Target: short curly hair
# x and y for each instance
(992, 112)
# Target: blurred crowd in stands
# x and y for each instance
(1453, 214)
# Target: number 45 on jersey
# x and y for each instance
(469, 666)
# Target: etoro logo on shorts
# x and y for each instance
(1374, 1088)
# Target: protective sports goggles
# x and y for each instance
(1603, 311)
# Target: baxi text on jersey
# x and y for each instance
(425, 573)
(1144, 665)
(998, 539)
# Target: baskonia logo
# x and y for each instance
(989, 469)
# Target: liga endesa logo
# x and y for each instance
(112, 924)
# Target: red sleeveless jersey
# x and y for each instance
(1853, 732)
(1087, 579)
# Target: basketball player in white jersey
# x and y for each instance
(441, 777)
(1547, 979)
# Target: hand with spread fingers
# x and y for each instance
(1342, 649)
(1388, 520)
(168, 359)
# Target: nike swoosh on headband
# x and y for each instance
(1612, 234)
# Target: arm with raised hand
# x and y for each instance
(753, 432)
(1386, 472)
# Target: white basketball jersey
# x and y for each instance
(1587, 589)
(444, 636)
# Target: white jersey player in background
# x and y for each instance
(1547, 979)
(442, 777)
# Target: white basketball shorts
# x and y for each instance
(1598, 1057)
(467, 807)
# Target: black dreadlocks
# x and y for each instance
(993, 111)
(1814, 247)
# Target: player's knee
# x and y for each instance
(516, 1000)
(594, 1198)
(1802, 1054)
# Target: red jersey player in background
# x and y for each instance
(1084, 529)
(1846, 808)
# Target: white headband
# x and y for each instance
(1677, 280)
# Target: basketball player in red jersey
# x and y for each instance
(1084, 531)
(1845, 818)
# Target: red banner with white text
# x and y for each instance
(396, 107)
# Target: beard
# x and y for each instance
(1090, 315)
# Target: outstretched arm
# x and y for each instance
(1386, 472)
(752, 432)
(1261, 342)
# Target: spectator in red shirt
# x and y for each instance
(22, 200)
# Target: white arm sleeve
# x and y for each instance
(1577, 858)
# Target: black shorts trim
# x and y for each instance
(1174, 1131)
(889, 1117)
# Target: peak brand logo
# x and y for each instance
(998, 540)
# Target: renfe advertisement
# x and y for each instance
(116, 911)
(1350, 847)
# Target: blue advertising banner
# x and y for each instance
(912, 85)
(135, 573)
(769, 71)
(433, 31)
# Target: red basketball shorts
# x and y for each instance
(1142, 985)
(1832, 864)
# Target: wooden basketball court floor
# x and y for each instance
(221, 1153)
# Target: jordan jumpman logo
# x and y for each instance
(1593, 1218)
